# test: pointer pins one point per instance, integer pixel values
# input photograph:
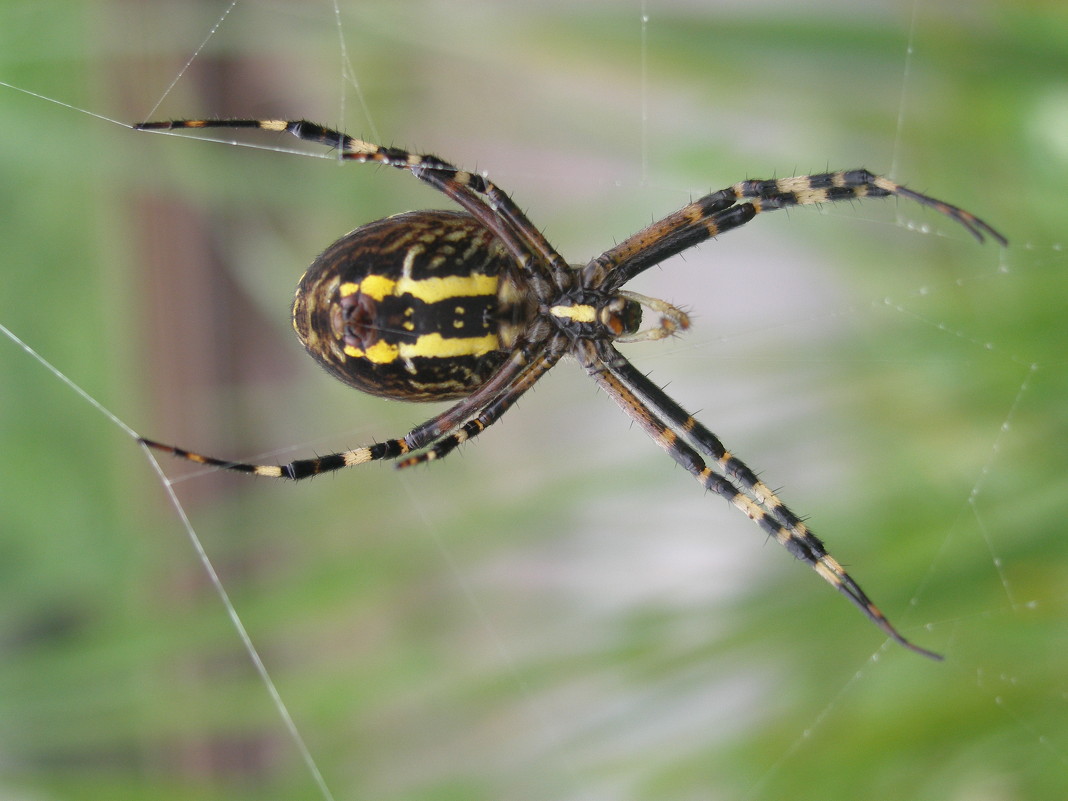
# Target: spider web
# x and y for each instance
(516, 624)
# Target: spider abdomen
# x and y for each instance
(418, 306)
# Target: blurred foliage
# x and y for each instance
(557, 612)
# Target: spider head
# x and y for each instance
(621, 316)
(629, 317)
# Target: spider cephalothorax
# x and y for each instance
(476, 306)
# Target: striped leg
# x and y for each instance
(691, 225)
(475, 193)
(691, 444)
(736, 205)
(830, 187)
(492, 412)
(426, 434)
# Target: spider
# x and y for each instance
(475, 306)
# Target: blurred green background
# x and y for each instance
(557, 612)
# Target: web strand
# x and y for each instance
(202, 556)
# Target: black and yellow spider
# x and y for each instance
(476, 306)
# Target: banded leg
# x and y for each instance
(690, 443)
(708, 444)
(419, 437)
(830, 187)
(720, 211)
(475, 193)
(496, 408)
(691, 225)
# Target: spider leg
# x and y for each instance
(691, 225)
(830, 187)
(723, 210)
(495, 409)
(707, 443)
(500, 384)
(691, 444)
(475, 193)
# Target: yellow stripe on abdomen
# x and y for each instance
(435, 290)
(428, 290)
(439, 347)
(432, 346)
